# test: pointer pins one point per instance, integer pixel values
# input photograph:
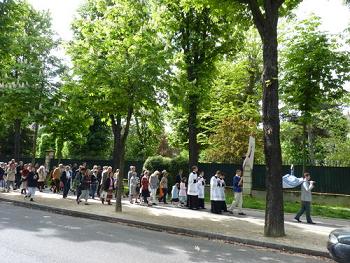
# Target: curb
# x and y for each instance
(168, 229)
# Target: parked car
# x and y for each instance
(339, 245)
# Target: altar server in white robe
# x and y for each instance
(192, 189)
(223, 206)
(201, 187)
(215, 186)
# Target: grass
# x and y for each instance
(289, 207)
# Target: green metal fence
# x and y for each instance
(334, 180)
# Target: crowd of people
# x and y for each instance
(102, 183)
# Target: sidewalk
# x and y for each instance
(300, 237)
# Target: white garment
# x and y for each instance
(201, 185)
(290, 181)
(192, 184)
(215, 189)
(154, 195)
(222, 184)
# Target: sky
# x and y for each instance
(335, 15)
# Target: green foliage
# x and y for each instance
(46, 141)
(229, 143)
(158, 162)
(97, 143)
(314, 70)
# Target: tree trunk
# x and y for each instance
(120, 136)
(304, 144)
(193, 148)
(17, 139)
(36, 129)
(266, 24)
(310, 143)
(59, 147)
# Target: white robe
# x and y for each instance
(222, 189)
(214, 189)
(192, 188)
(201, 185)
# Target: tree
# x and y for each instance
(199, 36)
(26, 65)
(119, 60)
(265, 15)
(314, 74)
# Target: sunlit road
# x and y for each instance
(34, 236)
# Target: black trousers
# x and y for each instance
(66, 188)
(201, 203)
(215, 207)
(192, 201)
(223, 206)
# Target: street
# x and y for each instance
(35, 236)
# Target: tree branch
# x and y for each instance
(258, 17)
(127, 125)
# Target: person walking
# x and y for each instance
(41, 177)
(10, 176)
(107, 172)
(237, 191)
(85, 187)
(24, 178)
(306, 198)
(183, 192)
(32, 180)
(133, 182)
(108, 187)
(18, 176)
(192, 190)
(2, 177)
(145, 187)
(164, 186)
(154, 183)
(56, 178)
(215, 193)
(222, 187)
(65, 180)
(201, 190)
(94, 182)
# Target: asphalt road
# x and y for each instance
(32, 236)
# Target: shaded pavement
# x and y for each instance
(300, 237)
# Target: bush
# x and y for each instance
(172, 166)
(158, 162)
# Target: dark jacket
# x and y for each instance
(32, 179)
(85, 183)
(107, 183)
(64, 177)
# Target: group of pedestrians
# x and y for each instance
(25, 177)
(148, 189)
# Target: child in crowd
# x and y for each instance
(183, 192)
(175, 194)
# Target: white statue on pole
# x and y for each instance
(248, 167)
